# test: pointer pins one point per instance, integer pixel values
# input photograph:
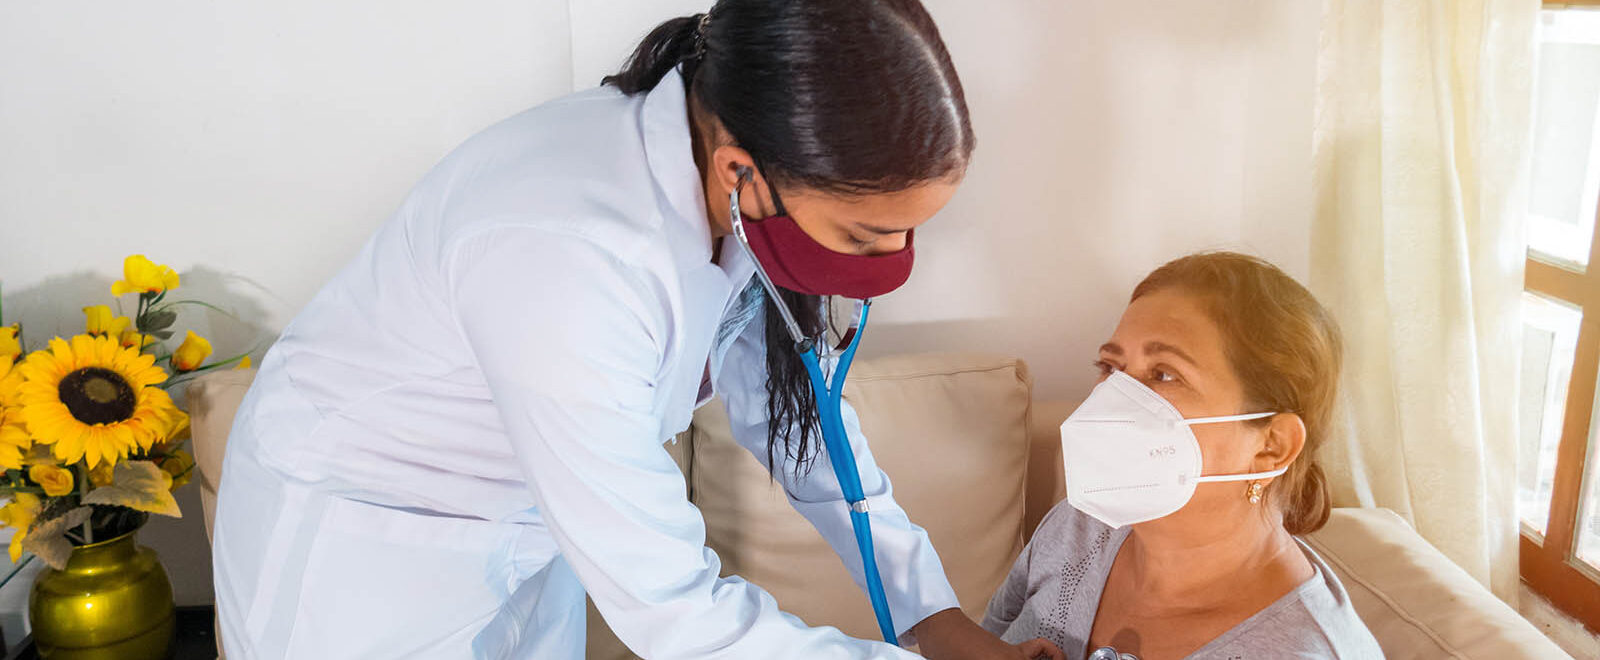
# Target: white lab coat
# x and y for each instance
(463, 432)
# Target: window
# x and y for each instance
(1558, 486)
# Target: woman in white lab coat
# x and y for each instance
(463, 432)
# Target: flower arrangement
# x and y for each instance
(91, 442)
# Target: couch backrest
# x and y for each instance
(213, 399)
(952, 433)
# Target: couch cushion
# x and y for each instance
(213, 399)
(1047, 483)
(1415, 600)
(951, 431)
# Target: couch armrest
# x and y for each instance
(1416, 601)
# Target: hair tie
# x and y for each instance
(700, 32)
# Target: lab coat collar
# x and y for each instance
(664, 121)
(669, 150)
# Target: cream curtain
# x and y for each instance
(1421, 145)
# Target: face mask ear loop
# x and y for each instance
(777, 202)
(801, 342)
(1241, 477)
(1235, 477)
(1228, 418)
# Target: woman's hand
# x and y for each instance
(1041, 648)
(950, 635)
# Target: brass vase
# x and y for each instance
(113, 601)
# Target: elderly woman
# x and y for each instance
(1191, 473)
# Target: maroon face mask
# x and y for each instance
(795, 261)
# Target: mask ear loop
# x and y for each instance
(1212, 478)
(829, 349)
(777, 202)
(1269, 474)
(736, 216)
(802, 343)
(1228, 418)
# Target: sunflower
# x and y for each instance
(92, 399)
(13, 437)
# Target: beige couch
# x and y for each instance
(977, 462)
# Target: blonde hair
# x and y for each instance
(1284, 347)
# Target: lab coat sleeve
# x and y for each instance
(913, 577)
(569, 340)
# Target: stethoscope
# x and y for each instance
(829, 412)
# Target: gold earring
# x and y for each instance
(1253, 493)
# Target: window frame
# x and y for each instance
(1549, 563)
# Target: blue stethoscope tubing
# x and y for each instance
(842, 457)
(830, 416)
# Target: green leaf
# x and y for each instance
(206, 305)
(137, 485)
(49, 541)
(223, 363)
(157, 320)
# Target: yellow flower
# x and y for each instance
(10, 384)
(194, 350)
(54, 480)
(102, 323)
(100, 475)
(136, 339)
(14, 438)
(94, 400)
(244, 363)
(10, 348)
(179, 430)
(19, 515)
(180, 465)
(144, 276)
(20, 511)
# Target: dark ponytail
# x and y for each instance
(671, 44)
(848, 97)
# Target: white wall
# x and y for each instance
(255, 145)
(1112, 137)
